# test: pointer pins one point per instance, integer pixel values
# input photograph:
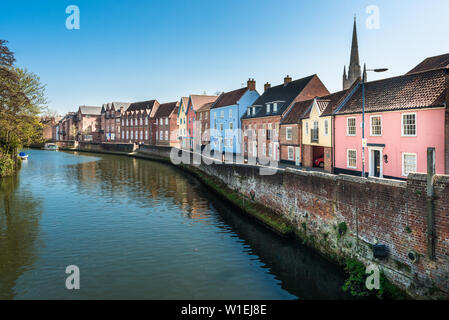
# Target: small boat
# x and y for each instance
(23, 156)
(51, 146)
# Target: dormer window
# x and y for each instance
(268, 108)
(254, 111)
(248, 113)
(275, 107)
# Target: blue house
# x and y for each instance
(225, 115)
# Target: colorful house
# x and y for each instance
(225, 117)
(182, 123)
(404, 116)
(88, 123)
(263, 117)
(317, 129)
(166, 118)
(195, 103)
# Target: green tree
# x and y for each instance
(22, 99)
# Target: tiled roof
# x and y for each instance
(432, 63)
(141, 105)
(165, 109)
(229, 98)
(88, 110)
(337, 98)
(199, 100)
(417, 90)
(206, 107)
(283, 94)
(296, 111)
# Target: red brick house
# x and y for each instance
(264, 116)
(203, 123)
(166, 122)
(110, 120)
(138, 122)
(89, 124)
(195, 103)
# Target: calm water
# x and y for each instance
(141, 230)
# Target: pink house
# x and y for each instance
(404, 116)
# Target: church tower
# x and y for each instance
(354, 71)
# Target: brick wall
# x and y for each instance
(390, 212)
(328, 159)
(307, 155)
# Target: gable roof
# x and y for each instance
(184, 102)
(411, 91)
(135, 106)
(432, 63)
(283, 94)
(90, 110)
(296, 111)
(229, 98)
(199, 100)
(165, 109)
(206, 107)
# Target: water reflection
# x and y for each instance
(19, 229)
(141, 230)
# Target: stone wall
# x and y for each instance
(108, 147)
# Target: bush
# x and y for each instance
(6, 165)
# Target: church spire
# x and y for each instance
(354, 70)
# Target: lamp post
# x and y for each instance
(363, 112)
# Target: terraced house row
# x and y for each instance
(297, 122)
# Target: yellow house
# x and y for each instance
(182, 122)
(317, 130)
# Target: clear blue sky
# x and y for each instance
(138, 50)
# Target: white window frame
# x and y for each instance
(230, 113)
(347, 127)
(268, 108)
(326, 127)
(347, 159)
(371, 125)
(307, 127)
(402, 124)
(275, 107)
(287, 135)
(292, 149)
(264, 149)
(166, 120)
(403, 163)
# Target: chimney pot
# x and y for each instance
(287, 79)
(251, 84)
(266, 86)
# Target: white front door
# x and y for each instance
(297, 156)
(375, 162)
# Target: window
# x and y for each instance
(264, 129)
(350, 128)
(248, 112)
(315, 132)
(141, 121)
(352, 159)
(307, 128)
(161, 121)
(288, 133)
(376, 125)
(146, 134)
(161, 135)
(166, 135)
(275, 107)
(409, 124)
(230, 113)
(254, 111)
(131, 122)
(326, 127)
(157, 136)
(146, 121)
(123, 134)
(222, 114)
(291, 153)
(127, 134)
(408, 163)
(137, 136)
(270, 149)
(230, 125)
(166, 120)
(221, 126)
(201, 116)
(268, 108)
(264, 149)
(123, 122)
(205, 115)
(141, 135)
(132, 135)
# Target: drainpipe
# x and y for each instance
(430, 204)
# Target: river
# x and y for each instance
(139, 229)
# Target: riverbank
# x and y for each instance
(339, 216)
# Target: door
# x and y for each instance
(297, 158)
(376, 163)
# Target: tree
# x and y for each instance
(22, 99)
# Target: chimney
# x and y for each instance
(266, 86)
(287, 79)
(251, 84)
